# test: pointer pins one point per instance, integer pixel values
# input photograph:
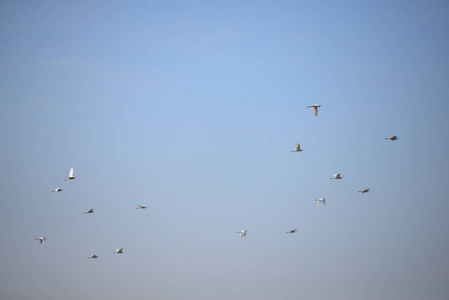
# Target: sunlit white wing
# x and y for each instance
(40, 239)
(321, 200)
(242, 233)
(336, 176)
(71, 173)
(314, 108)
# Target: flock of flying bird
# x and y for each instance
(89, 211)
(243, 232)
(320, 201)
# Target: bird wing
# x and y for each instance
(297, 147)
(71, 172)
(315, 110)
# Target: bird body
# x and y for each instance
(93, 256)
(70, 175)
(118, 251)
(297, 148)
(292, 231)
(89, 211)
(242, 233)
(336, 176)
(321, 200)
(314, 108)
(364, 191)
(57, 190)
(40, 239)
(392, 138)
(141, 207)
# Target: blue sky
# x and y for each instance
(192, 108)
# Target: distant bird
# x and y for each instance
(392, 138)
(141, 207)
(292, 231)
(314, 108)
(297, 148)
(321, 200)
(364, 191)
(57, 190)
(70, 175)
(40, 239)
(89, 211)
(118, 251)
(336, 176)
(242, 233)
(93, 256)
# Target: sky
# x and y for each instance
(192, 108)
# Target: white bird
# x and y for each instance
(364, 191)
(141, 207)
(89, 211)
(118, 251)
(93, 256)
(392, 138)
(40, 239)
(242, 233)
(336, 176)
(314, 108)
(70, 175)
(297, 148)
(321, 200)
(57, 190)
(292, 231)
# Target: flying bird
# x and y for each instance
(40, 239)
(392, 138)
(292, 231)
(314, 108)
(364, 191)
(70, 175)
(242, 233)
(141, 207)
(297, 148)
(89, 211)
(336, 176)
(93, 256)
(118, 251)
(321, 200)
(57, 190)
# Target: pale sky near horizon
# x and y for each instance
(192, 108)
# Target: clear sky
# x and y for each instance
(192, 108)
